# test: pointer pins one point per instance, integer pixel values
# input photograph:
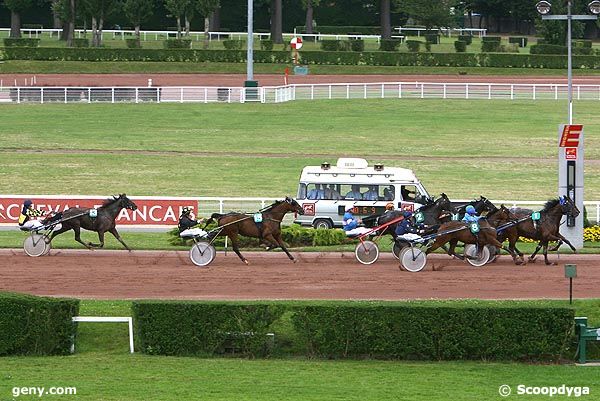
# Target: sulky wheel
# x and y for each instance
(35, 245)
(474, 258)
(397, 248)
(413, 259)
(494, 253)
(202, 253)
(366, 252)
(48, 248)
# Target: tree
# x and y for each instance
(309, 5)
(65, 11)
(138, 11)
(98, 10)
(207, 8)
(276, 21)
(16, 7)
(430, 13)
(385, 19)
(177, 9)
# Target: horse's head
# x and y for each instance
(568, 206)
(484, 205)
(293, 206)
(126, 203)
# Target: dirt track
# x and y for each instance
(162, 274)
(264, 79)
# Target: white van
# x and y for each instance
(325, 190)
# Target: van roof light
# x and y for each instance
(351, 162)
(325, 166)
(378, 167)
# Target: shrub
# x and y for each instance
(468, 39)
(179, 43)
(133, 43)
(490, 47)
(330, 45)
(389, 45)
(509, 48)
(36, 325)
(491, 39)
(357, 45)
(558, 49)
(583, 43)
(460, 46)
(519, 40)
(81, 42)
(266, 45)
(591, 234)
(432, 38)
(413, 45)
(21, 42)
(203, 328)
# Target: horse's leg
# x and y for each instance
(280, 242)
(234, 245)
(537, 249)
(63, 229)
(560, 242)
(77, 230)
(101, 238)
(546, 253)
(558, 245)
(115, 234)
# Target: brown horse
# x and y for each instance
(76, 218)
(501, 219)
(454, 231)
(547, 228)
(234, 224)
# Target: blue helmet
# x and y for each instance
(470, 210)
(27, 203)
(406, 214)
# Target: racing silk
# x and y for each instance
(356, 195)
(349, 222)
(185, 222)
(470, 219)
(27, 214)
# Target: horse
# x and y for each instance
(76, 218)
(233, 224)
(481, 205)
(500, 217)
(547, 228)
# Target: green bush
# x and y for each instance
(389, 45)
(266, 45)
(179, 43)
(133, 43)
(460, 46)
(357, 45)
(432, 38)
(233, 44)
(81, 42)
(413, 45)
(519, 40)
(203, 328)
(468, 39)
(36, 325)
(434, 333)
(330, 45)
(491, 39)
(509, 48)
(490, 47)
(21, 42)
(583, 43)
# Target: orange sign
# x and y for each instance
(570, 136)
(571, 153)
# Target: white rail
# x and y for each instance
(446, 31)
(279, 94)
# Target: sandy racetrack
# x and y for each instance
(170, 275)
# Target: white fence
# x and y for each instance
(279, 94)
(446, 31)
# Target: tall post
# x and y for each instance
(570, 61)
(250, 43)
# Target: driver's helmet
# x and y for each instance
(407, 214)
(27, 203)
(470, 210)
(185, 211)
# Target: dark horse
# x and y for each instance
(546, 229)
(76, 218)
(501, 218)
(433, 213)
(233, 224)
(481, 205)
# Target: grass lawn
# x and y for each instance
(500, 149)
(102, 369)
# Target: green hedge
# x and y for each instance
(519, 40)
(266, 45)
(491, 39)
(413, 45)
(81, 42)
(460, 46)
(21, 42)
(354, 330)
(489, 47)
(434, 333)
(558, 49)
(389, 45)
(432, 38)
(330, 45)
(36, 325)
(501, 60)
(178, 43)
(133, 43)
(203, 328)
(233, 44)
(468, 39)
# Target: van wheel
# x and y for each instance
(322, 223)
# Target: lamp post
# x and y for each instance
(250, 82)
(570, 154)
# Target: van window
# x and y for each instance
(389, 193)
(301, 191)
(409, 193)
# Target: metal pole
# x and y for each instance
(569, 62)
(250, 60)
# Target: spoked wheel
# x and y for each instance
(413, 259)
(474, 258)
(366, 252)
(202, 253)
(397, 249)
(48, 248)
(35, 245)
(494, 254)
